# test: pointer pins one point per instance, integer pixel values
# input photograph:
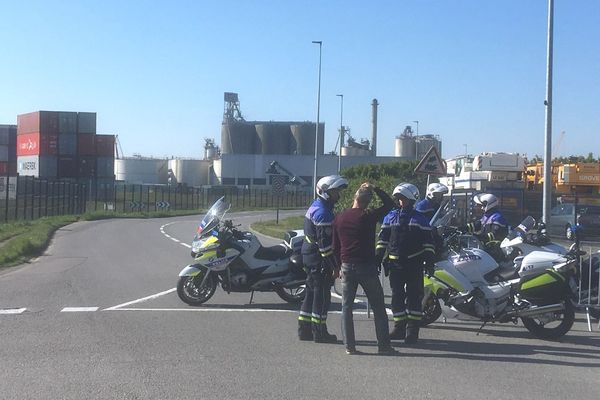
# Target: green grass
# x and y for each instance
(271, 228)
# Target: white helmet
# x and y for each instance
(330, 182)
(407, 190)
(436, 188)
(486, 200)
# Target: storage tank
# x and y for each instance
(190, 172)
(238, 138)
(355, 151)
(273, 138)
(406, 147)
(141, 170)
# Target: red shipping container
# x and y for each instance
(86, 144)
(8, 168)
(34, 144)
(105, 145)
(3, 168)
(44, 122)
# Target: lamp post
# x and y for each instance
(417, 144)
(320, 43)
(341, 96)
(547, 188)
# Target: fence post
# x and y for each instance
(6, 187)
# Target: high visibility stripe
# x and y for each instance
(305, 319)
(417, 254)
(325, 249)
(322, 223)
(415, 317)
(327, 254)
(424, 228)
(393, 257)
(401, 318)
(381, 246)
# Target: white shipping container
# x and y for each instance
(39, 166)
(499, 162)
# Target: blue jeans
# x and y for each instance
(365, 276)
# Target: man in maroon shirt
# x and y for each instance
(354, 248)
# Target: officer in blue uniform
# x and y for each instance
(492, 228)
(409, 251)
(432, 201)
(319, 260)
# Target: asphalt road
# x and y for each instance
(136, 340)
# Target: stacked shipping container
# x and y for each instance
(8, 150)
(60, 145)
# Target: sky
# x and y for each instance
(471, 71)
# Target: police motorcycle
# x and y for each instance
(236, 260)
(523, 240)
(468, 284)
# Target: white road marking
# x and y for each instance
(6, 311)
(337, 296)
(154, 296)
(79, 309)
(241, 310)
(162, 230)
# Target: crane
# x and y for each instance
(558, 142)
(118, 148)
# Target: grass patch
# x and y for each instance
(271, 228)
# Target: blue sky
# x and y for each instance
(471, 71)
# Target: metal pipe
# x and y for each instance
(341, 96)
(536, 310)
(374, 105)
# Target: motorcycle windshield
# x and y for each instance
(523, 228)
(443, 216)
(212, 218)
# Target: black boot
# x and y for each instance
(412, 332)
(320, 334)
(399, 331)
(305, 330)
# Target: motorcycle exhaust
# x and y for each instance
(536, 310)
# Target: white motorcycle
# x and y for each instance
(239, 263)
(465, 285)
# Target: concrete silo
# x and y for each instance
(238, 138)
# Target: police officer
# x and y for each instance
(432, 201)
(492, 228)
(410, 249)
(319, 260)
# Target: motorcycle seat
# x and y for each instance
(503, 273)
(272, 253)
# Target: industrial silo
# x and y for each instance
(274, 138)
(238, 138)
(425, 142)
(303, 135)
(406, 147)
(141, 170)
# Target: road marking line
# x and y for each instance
(224, 310)
(154, 296)
(337, 296)
(186, 245)
(175, 240)
(79, 309)
(6, 311)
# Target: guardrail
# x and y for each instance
(589, 278)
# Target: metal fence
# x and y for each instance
(25, 197)
(589, 277)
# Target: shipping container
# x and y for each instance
(30, 144)
(44, 122)
(4, 150)
(39, 166)
(8, 134)
(67, 167)
(67, 145)
(86, 144)
(86, 122)
(105, 167)
(87, 167)
(67, 122)
(105, 145)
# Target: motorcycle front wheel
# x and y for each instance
(551, 325)
(189, 290)
(431, 311)
(292, 296)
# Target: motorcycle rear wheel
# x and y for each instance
(565, 320)
(190, 293)
(431, 311)
(292, 296)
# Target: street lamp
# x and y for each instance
(320, 43)
(341, 96)
(417, 144)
